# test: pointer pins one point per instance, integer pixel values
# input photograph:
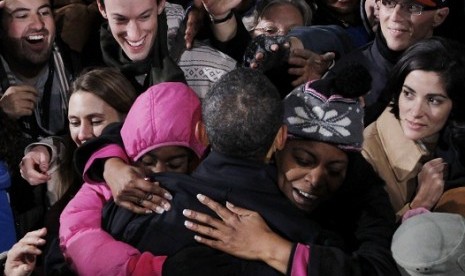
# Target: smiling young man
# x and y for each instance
(33, 90)
(134, 39)
(402, 24)
(35, 81)
(133, 26)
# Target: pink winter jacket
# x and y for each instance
(88, 248)
(164, 115)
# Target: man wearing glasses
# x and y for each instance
(402, 24)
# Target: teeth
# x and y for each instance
(35, 37)
(397, 29)
(136, 44)
(306, 195)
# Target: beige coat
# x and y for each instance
(395, 158)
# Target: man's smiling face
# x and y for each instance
(29, 30)
(133, 24)
(401, 29)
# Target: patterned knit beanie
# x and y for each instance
(328, 110)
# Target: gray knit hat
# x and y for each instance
(312, 115)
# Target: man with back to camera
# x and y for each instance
(236, 170)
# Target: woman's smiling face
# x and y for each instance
(309, 172)
(424, 105)
(88, 115)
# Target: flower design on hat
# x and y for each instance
(334, 119)
(318, 120)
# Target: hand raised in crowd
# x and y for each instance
(35, 164)
(218, 9)
(430, 184)
(239, 232)
(21, 258)
(131, 190)
(266, 52)
(269, 51)
(307, 65)
(194, 22)
(19, 101)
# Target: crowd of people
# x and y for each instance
(232, 137)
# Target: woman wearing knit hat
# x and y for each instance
(322, 172)
(416, 145)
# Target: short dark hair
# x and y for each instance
(439, 55)
(242, 113)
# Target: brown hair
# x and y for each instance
(108, 84)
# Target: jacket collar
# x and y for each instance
(239, 173)
(381, 45)
(403, 154)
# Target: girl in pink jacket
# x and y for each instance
(158, 135)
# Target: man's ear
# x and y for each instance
(278, 143)
(281, 137)
(440, 16)
(161, 6)
(101, 9)
(201, 133)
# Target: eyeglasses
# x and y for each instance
(407, 6)
(270, 31)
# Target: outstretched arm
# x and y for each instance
(241, 233)
(244, 234)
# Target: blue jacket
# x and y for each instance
(8, 236)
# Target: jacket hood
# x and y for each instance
(164, 115)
